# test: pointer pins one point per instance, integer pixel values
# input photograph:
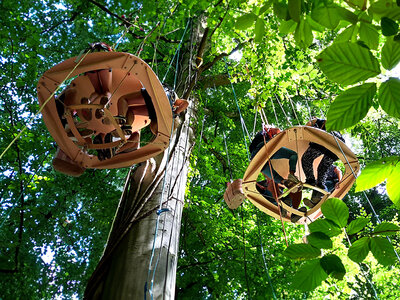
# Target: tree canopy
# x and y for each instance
(292, 59)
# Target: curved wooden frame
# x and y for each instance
(127, 65)
(297, 139)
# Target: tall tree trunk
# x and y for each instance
(153, 198)
(123, 272)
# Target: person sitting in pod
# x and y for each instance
(333, 179)
(313, 151)
(265, 136)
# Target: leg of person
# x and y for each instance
(266, 170)
(326, 162)
(307, 162)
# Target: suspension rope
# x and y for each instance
(227, 156)
(284, 112)
(244, 129)
(244, 255)
(44, 104)
(273, 108)
(159, 212)
(255, 121)
(177, 50)
(294, 110)
(263, 255)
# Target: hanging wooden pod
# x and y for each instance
(298, 139)
(112, 97)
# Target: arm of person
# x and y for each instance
(339, 175)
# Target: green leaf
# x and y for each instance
(348, 63)
(383, 251)
(375, 173)
(287, 27)
(281, 10)
(389, 27)
(309, 276)
(357, 225)
(369, 35)
(326, 16)
(259, 30)
(346, 15)
(333, 265)
(245, 21)
(389, 97)
(390, 54)
(359, 250)
(325, 226)
(354, 103)
(347, 34)
(336, 210)
(301, 251)
(386, 229)
(319, 240)
(385, 8)
(294, 9)
(264, 8)
(314, 25)
(392, 186)
(303, 34)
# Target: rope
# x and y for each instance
(122, 36)
(227, 156)
(177, 50)
(284, 112)
(157, 222)
(294, 111)
(244, 129)
(273, 108)
(263, 256)
(365, 195)
(255, 121)
(44, 104)
(244, 255)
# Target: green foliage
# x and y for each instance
(389, 94)
(354, 103)
(332, 264)
(348, 63)
(336, 210)
(358, 251)
(337, 213)
(325, 226)
(245, 21)
(319, 240)
(390, 54)
(357, 225)
(389, 27)
(382, 250)
(386, 229)
(309, 276)
(302, 251)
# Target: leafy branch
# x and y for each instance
(320, 265)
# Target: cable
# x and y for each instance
(44, 104)
(263, 255)
(240, 113)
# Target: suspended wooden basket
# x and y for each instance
(298, 139)
(96, 121)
